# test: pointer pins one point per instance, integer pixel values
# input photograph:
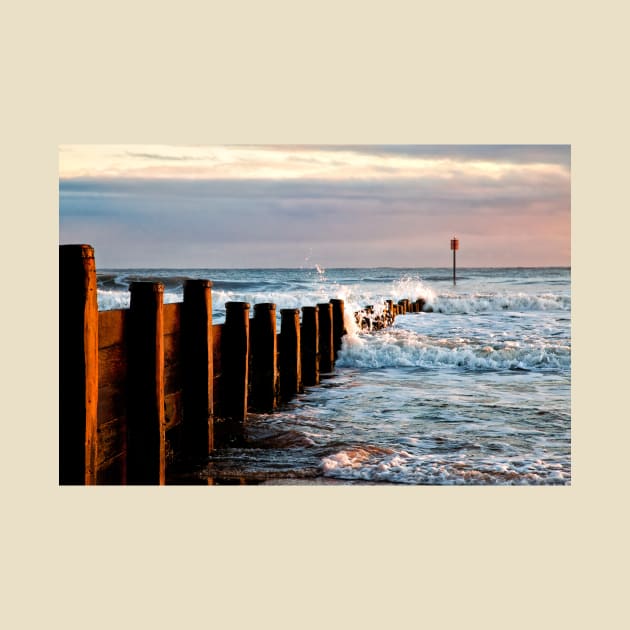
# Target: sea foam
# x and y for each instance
(407, 348)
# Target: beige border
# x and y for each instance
(484, 72)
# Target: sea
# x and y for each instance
(474, 390)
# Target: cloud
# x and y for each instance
(239, 222)
(249, 206)
(339, 163)
(160, 156)
(430, 194)
(517, 153)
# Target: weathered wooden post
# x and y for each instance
(146, 457)
(420, 302)
(78, 365)
(388, 313)
(401, 307)
(198, 427)
(326, 350)
(290, 363)
(264, 348)
(310, 345)
(235, 371)
(339, 328)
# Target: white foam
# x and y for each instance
(403, 467)
(111, 299)
(405, 348)
(490, 302)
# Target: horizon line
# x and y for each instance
(331, 268)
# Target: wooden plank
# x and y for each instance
(173, 410)
(172, 349)
(112, 365)
(113, 472)
(112, 402)
(111, 327)
(173, 444)
(173, 367)
(172, 318)
(112, 440)
(173, 378)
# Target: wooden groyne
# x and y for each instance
(159, 385)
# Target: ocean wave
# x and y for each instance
(112, 299)
(406, 468)
(492, 302)
(403, 348)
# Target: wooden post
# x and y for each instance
(401, 307)
(290, 363)
(326, 351)
(264, 349)
(420, 302)
(339, 328)
(310, 345)
(146, 454)
(235, 359)
(78, 365)
(390, 309)
(198, 427)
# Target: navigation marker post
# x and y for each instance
(454, 247)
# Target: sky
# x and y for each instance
(186, 206)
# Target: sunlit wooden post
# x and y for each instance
(146, 431)
(198, 368)
(401, 307)
(310, 345)
(264, 349)
(78, 365)
(326, 350)
(290, 363)
(338, 325)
